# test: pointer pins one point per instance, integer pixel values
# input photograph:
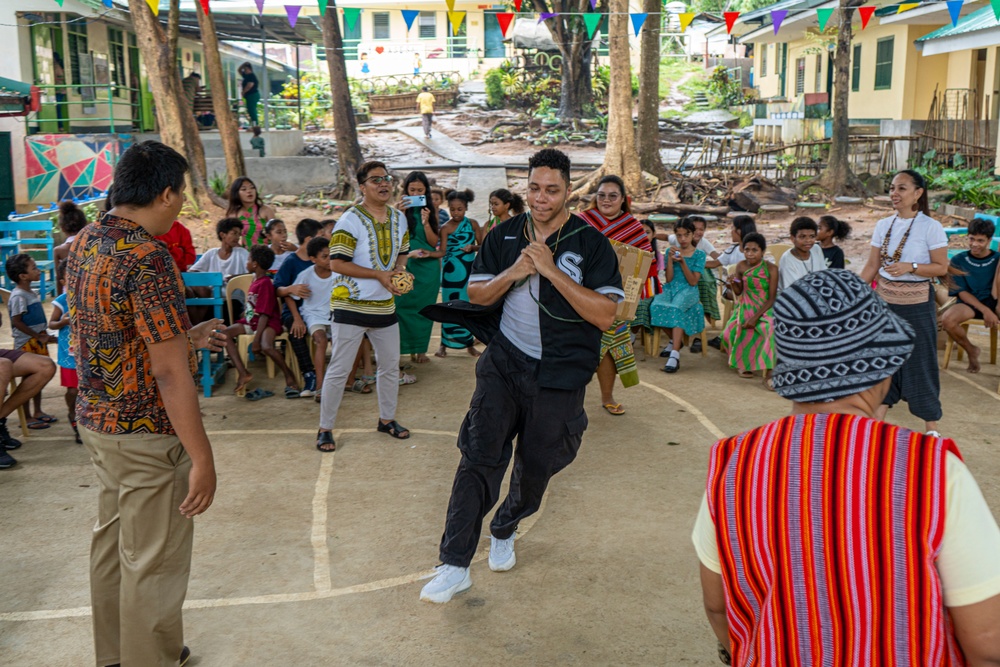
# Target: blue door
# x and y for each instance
(493, 37)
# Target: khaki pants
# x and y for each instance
(140, 556)
(344, 343)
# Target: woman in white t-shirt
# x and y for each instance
(909, 250)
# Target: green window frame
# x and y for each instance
(763, 59)
(883, 63)
(777, 59)
(819, 73)
(116, 52)
(77, 35)
(856, 69)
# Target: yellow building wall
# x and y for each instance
(805, 49)
(767, 81)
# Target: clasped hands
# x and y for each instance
(536, 257)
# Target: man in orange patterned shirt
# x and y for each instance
(138, 411)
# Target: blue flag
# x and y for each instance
(637, 21)
(409, 15)
(955, 9)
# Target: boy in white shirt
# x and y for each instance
(805, 257)
(229, 259)
(312, 314)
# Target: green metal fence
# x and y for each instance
(54, 115)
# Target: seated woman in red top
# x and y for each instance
(179, 244)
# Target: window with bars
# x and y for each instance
(777, 59)
(819, 73)
(77, 47)
(856, 69)
(763, 58)
(800, 76)
(427, 25)
(116, 52)
(380, 25)
(883, 63)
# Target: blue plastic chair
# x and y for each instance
(213, 372)
(14, 241)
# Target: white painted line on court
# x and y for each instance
(969, 382)
(699, 415)
(321, 547)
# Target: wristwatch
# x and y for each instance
(914, 265)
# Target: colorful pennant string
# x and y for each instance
(504, 19)
(823, 17)
(410, 15)
(954, 10)
(866, 14)
(638, 19)
(293, 13)
(351, 15)
(731, 20)
(685, 19)
(777, 16)
(592, 21)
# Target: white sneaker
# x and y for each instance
(449, 581)
(934, 434)
(502, 556)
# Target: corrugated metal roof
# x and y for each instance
(981, 19)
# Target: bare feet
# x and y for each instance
(973, 360)
(241, 384)
(419, 358)
(473, 351)
(442, 353)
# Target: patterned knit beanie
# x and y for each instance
(835, 337)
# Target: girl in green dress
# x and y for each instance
(424, 263)
(458, 240)
(504, 205)
(245, 204)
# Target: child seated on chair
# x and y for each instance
(59, 321)
(230, 258)
(312, 314)
(749, 333)
(277, 237)
(806, 255)
(262, 320)
(679, 308)
(28, 323)
(973, 284)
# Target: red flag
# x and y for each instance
(504, 19)
(517, 5)
(866, 13)
(731, 20)
(204, 5)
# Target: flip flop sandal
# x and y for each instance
(746, 375)
(37, 424)
(359, 387)
(406, 378)
(258, 394)
(48, 419)
(325, 439)
(369, 379)
(394, 429)
(615, 409)
(290, 392)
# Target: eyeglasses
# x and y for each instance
(608, 197)
(378, 179)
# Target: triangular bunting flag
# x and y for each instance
(777, 16)
(260, 6)
(955, 10)
(907, 6)
(451, 5)
(517, 5)
(322, 7)
(153, 5)
(504, 19)
(410, 15)
(996, 8)
(593, 5)
(351, 15)
(60, 2)
(592, 21)
(456, 18)
(204, 5)
(866, 14)
(637, 20)
(685, 19)
(545, 16)
(110, 4)
(731, 20)
(823, 16)
(293, 13)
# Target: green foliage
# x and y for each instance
(218, 183)
(746, 120)
(316, 98)
(971, 187)
(494, 88)
(724, 91)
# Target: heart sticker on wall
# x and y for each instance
(379, 50)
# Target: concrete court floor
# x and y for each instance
(309, 559)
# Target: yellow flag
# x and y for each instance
(686, 19)
(155, 6)
(451, 5)
(907, 6)
(455, 18)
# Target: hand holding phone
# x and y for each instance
(416, 201)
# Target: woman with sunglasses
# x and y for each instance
(610, 214)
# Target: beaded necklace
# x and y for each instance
(898, 253)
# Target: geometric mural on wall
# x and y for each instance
(68, 166)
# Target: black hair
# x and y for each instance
(235, 203)
(515, 202)
(256, 131)
(412, 219)
(306, 228)
(18, 264)
(755, 237)
(145, 170)
(615, 180)
(981, 227)
(841, 230)
(465, 196)
(744, 224)
(553, 159)
(71, 218)
(244, 66)
(369, 167)
(684, 223)
(426, 89)
(327, 221)
(652, 239)
(272, 223)
(316, 246)
(263, 255)
(923, 204)
(108, 200)
(801, 223)
(226, 225)
(695, 219)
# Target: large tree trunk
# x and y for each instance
(648, 131)
(173, 116)
(620, 156)
(837, 178)
(570, 35)
(229, 131)
(344, 126)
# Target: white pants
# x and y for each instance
(344, 344)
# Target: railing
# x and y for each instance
(56, 113)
